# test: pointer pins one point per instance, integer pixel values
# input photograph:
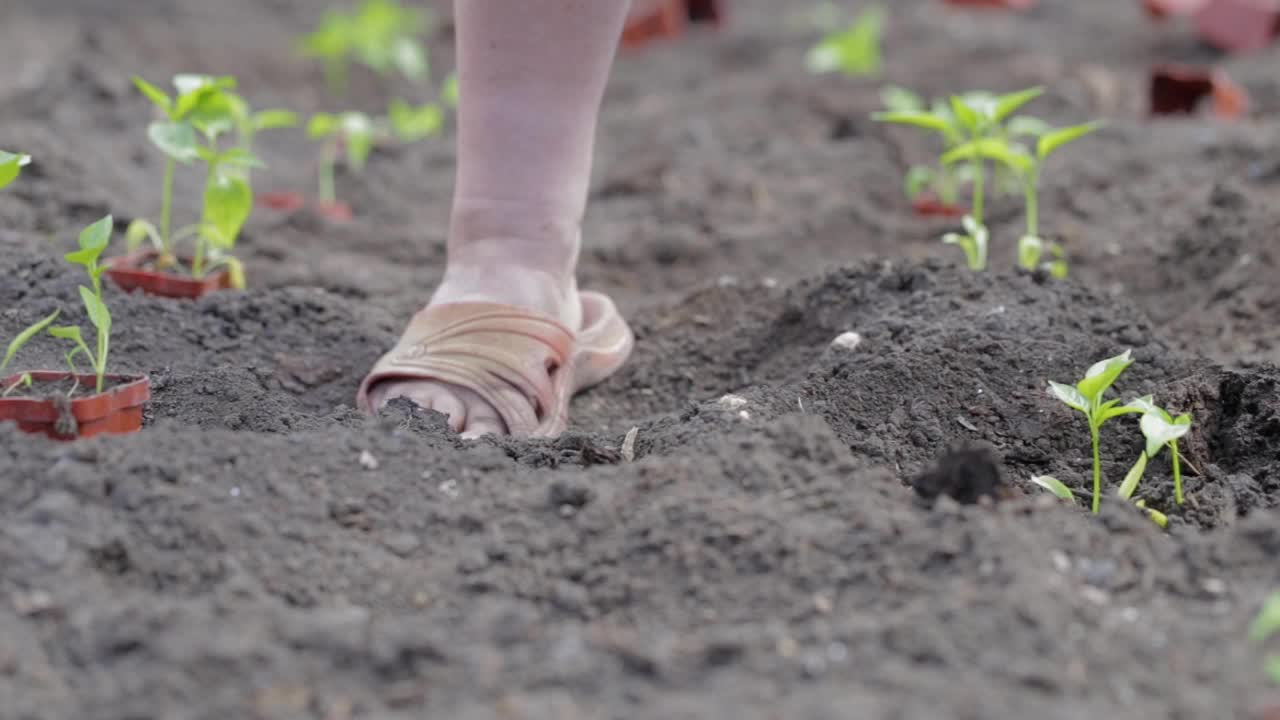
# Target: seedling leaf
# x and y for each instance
(228, 201)
(1011, 156)
(1102, 374)
(1051, 141)
(968, 117)
(1054, 485)
(409, 58)
(899, 99)
(274, 119)
(157, 96)
(10, 166)
(1268, 621)
(928, 121)
(1027, 126)
(177, 140)
(98, 314)
(1069, 396)
(24, 337)
(1160, 432)
(1005, 105)
(321, 125)
(449, 90)
(1133, 477)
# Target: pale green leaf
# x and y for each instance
(274, 119)
(928, 121)
(1069, 396)
(177, 140)
(1054, 485)
(1101, 375)
(322, 125)
(24, 337)
(1160, 432)
(1133, 477)
(1006, 105)
(228, 201)
(1051, 141)
(966, 115)
(97, 310)
(1027, 126)
(409, 58)
(1267, 623)
(157, 96)
(1012, 156)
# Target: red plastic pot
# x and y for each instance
(1179, 90)
(337, 210)
(932, 207)
(130, 273)
(668, 19)
(117, 410)
(282, 201)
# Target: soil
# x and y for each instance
(797, 529)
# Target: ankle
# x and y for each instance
(526, 236)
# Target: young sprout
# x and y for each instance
(411, 124)
(11, 165)
(855, 51)
(1027, 167)
(1055, 486)
(1086, 397)
(901, 105)
(353, 130)
(93, 240)
(1159, 429)
(1264, 627)
(249, 123)
(380, 34)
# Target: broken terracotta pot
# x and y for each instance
(1180, 89)
(667, 19)
(928, 206)
(282, 201)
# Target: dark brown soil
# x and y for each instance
(261, 550)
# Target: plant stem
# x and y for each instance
(1177, 473)
(1097, 466)
(166, 204)
(100, 362)
(328, 156)
(1033, 205)
(947, 188)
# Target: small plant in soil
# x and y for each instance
(973, 118)
(204, 110)
(93, 240)
(854, 51)
(1264, 627)
(1026, 165)
(381, 35)
(11, 165)
(1160, 430)
(943, 181)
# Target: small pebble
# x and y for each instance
(368, 461)
(847, 341)
(731, 402)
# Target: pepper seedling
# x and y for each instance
(945, 180)
(1159, 429)
(353, 131)
(1027, 166)
(93, 241)
(1265, 626)
(11, 165)
(854, 51)
(1086, 396)
(380, 34)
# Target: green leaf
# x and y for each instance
(228, 201)
(274, 119)
(1160, 432)
(1006, 105)
(9, 170)
(24, 337)
(412, 124)
(239, 157)
(67, 332)
(138, 231)
(97, 310)
(1272, 667)
(967, 116)
(1133, 477)
(1101, 375)
(918, 178)
(322, 125)
(1012, 156)
(93, 240)
(855, 51)
(1027, 126)
(1055, 486)
(1051, 141)
(157, 96)
(177, 140)
(928, 121)
(409, 58)
(357, 131)
(1156, 516)
(1030, 248)
(1268, 621)
(213, 114)
(1069, 395)
(899, 99)
(449, 90)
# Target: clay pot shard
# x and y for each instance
(927, 206)
(1179, 90)
(130, 272)
(668, 19)
(116, 410)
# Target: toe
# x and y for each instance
(483, 419)
(428, 395)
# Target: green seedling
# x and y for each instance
(854, 51)
(93, 241)
(204, 110)
(973, 118)
(1160, 430)
(354, 131)
(1266, 625)
(1055, 486)
(411, 124)
(1086, 396)
(944, 180)
(1027, 166)
(11, 165)
(380, 34)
